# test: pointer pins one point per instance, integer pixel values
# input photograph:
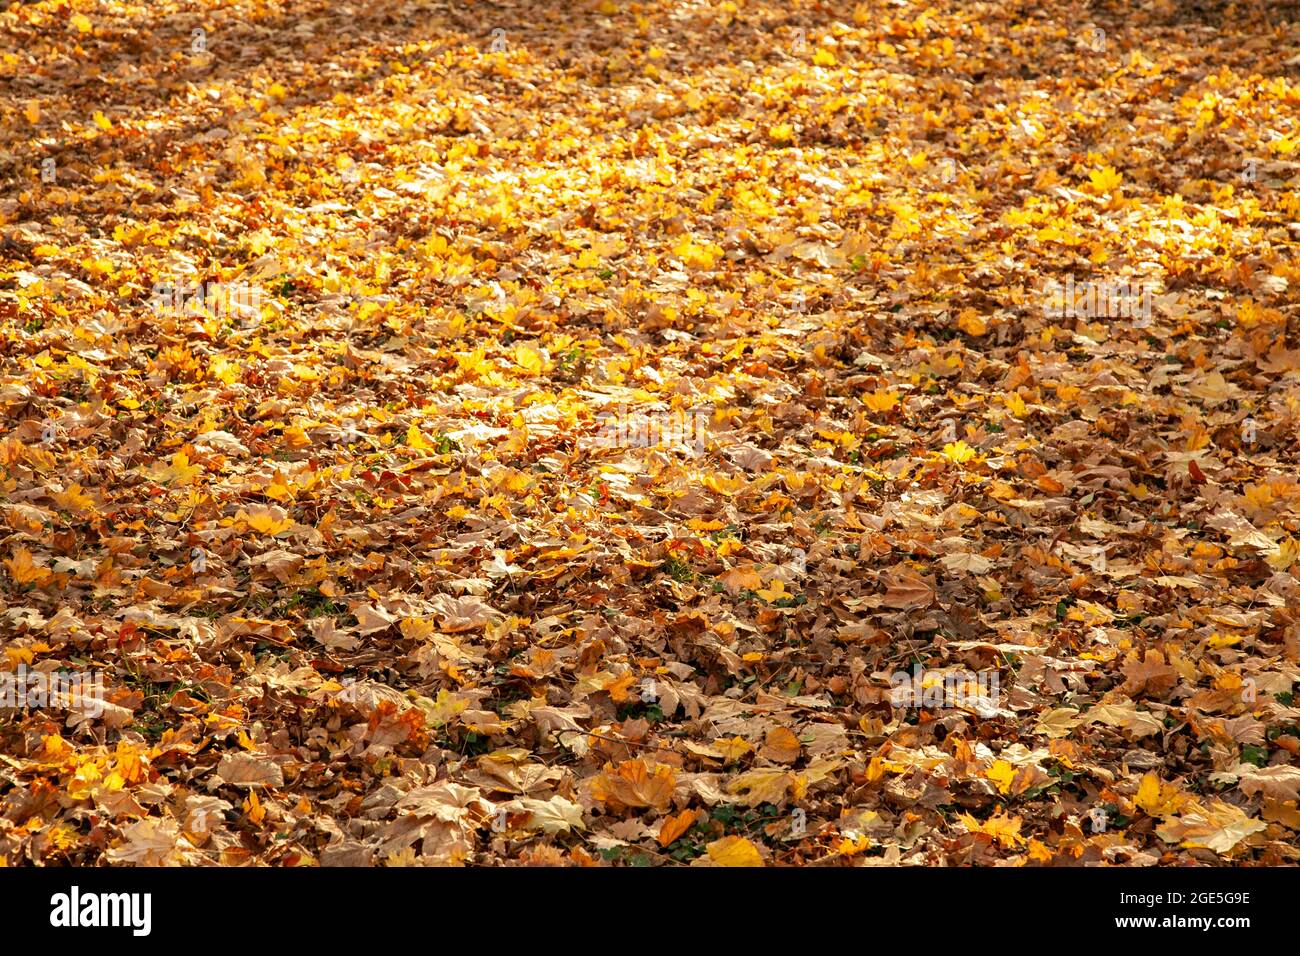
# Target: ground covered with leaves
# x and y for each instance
(367, 583)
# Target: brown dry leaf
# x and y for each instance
(1220, 828)
(907, 590)
(1125, 715)
(249, 770)
(152, 842)
(462, 614)
(635, 784)
(1280, 783)
(780, 745)
(1150, 678)
(551, 816)
(761, 786)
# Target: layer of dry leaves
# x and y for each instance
(434, 621)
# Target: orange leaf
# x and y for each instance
(633, 784)
(674, 827)
(781, 745)
(24, 570)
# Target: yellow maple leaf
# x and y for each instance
(1105, 179)
(1001, 773)
(971, 322)
(958, 452)
(619, 686)
(253, 807)
(733, 748)
(530, 360)
(32, 112)
(102, 121)
(296, 437)
(729, 546)
(695, 255)
(734, 851)
(1148, 792)
(19, 655)
(415, 440)
(1287, 553)
(881, 400)
(724, 485)
(1004, 829)
(851, 844)
(1285, 145)
(72, 499)
(269, 521)
(223, 370)
(179, 470)
(82, 23)
(473, 362)
(1038, 852)
(1155, 798)
(764, 785)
